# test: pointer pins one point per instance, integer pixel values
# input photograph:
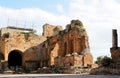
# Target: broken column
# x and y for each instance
(114, 39)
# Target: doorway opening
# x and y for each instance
(15, 59)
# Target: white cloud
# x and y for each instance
(30, 17)
(99, 18)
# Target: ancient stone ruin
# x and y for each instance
(115, 50)
(113, 68)
(56, 51)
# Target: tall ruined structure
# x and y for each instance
(115, 50)
(67, 48)
(110, 66)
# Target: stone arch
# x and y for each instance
(15, 58)
(54, 53)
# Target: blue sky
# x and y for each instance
(98, 16)
(48, 5)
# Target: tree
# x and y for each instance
(99, 59)
(106, 61)
(103, 60)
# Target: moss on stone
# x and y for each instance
(82, 28)
(62, 32)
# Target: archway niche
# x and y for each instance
(15, 58)
(65, 48)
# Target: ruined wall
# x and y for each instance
(55, 47)
(25, 42)
(115, 50)
(69, 46)
(115, 54)
(50, 30)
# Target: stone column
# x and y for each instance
(114, 39)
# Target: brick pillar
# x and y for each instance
(114, 39)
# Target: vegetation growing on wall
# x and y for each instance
(103, 61)
(62, 32)
(27, 34)
(106, 61)
(82, 27)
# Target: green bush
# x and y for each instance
(106, 61)
(103, 61)
(99, 59)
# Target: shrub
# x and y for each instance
(99, 59)
(103, 60)
(106, 61)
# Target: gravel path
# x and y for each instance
(57, 76)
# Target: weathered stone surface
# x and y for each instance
(70, 46)
(114, 39)
(115, 54)
(56, 47)
(26, 43)
(109, 70)
(114, 66)
(50, 30)
(115, 50)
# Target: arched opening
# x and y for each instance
(71, 46)
(15, 58)
(65, 49)
(54, 53)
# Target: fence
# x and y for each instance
(20, 23)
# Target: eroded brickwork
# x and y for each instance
(24, 42)
(56, 47)
(115, 50)
(70, 46)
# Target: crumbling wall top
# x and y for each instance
(50, 30)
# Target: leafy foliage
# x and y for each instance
(106, 61)
(62, 32)
(99, 59)
(103, 60)
(82, 27)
